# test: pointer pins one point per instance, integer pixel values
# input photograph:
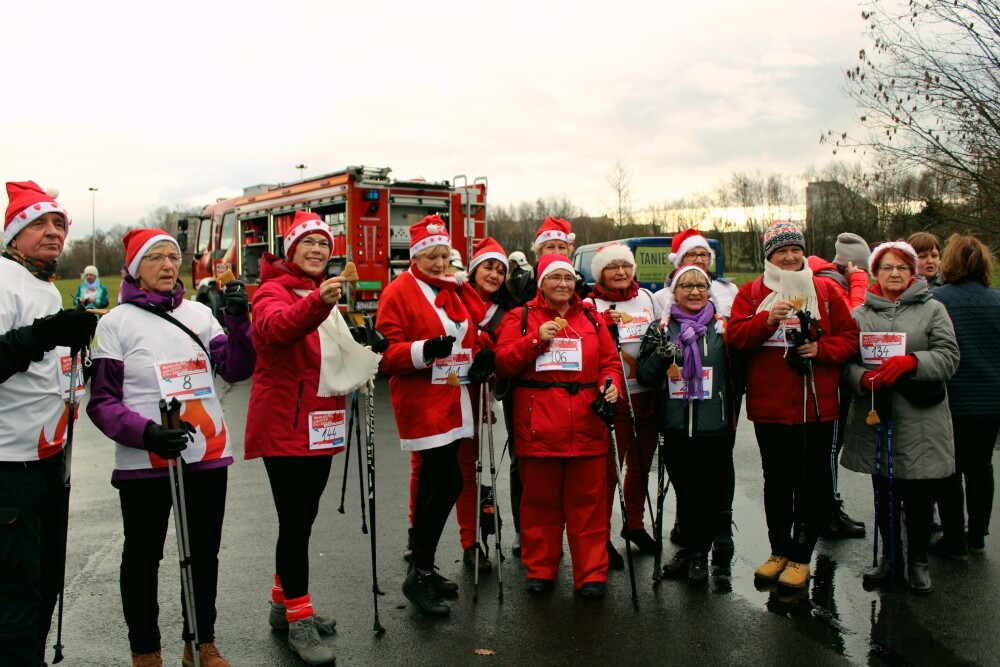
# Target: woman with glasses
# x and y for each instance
(558, 353)
(630, 310)
(793, 375)
(908, 350)
(287, 417)
(684, 359)
(690, 248)
(159, 345)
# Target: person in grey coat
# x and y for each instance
(908, 350)
(973, 393)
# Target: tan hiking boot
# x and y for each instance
(147, 659)
(208, 654)
(771, 569)
(795, 575)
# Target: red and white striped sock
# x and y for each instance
(277, 592)
(299, 608)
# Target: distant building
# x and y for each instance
(832, 208)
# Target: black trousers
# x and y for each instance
(33, 515)
(974, 442)
(439, 487)
(917, 498)
(698, 472)
(297, 483)
(146, 507)
(798, 485)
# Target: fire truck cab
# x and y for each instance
(369, 213)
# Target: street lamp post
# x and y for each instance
(93, 228)
(301, 168)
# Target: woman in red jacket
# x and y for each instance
(558, 353)
(287, 421)
(795, 442)
(429, 318)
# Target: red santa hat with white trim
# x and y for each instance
(554, 229)
(139, 241)
(429, 232)
(551, 262)
(611, 252)
(28, 202)
(486, 249)
(685, 242)
(304, 224)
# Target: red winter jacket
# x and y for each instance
(774, 389)
(553, 421)
(853, 286)
(286, 377)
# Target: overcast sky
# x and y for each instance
(184, 101)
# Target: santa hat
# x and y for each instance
(429, 232)
(303, 224)
(686, 269)
(551, 262)
(27, 202)
(612, 252)
(137, 244)
(554, 229)
(486, 249)
(685, 242)
(902, 248)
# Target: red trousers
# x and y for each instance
(468, 502)
(564, 492)
(636, 482)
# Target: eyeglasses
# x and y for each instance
(697, 255)
(615, 268)
(690, 287)
(310, 243)
(560, 279)
(159, 258)
(889, 268)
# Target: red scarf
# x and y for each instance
(616, 296)
(459, 300)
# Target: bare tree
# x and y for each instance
(620, 180)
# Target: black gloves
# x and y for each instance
(438, 348)
(72, 327)
(482, 366)
(166, 442)
(235, 294)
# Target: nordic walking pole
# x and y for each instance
(170, 419)
(661, 494)
(71, 406)
(878, 474)
(892, 522)
(481, 419)
(607, 412)
(347, 453)
(370, 451)
(361, 466)
(493, 481)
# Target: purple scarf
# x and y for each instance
(693, 327)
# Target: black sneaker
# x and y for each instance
(698, 567)
(593, 590)
(641, 540)
(444, 587)
(615, 559)
(539, 586)
(420, 590)
(678, 566)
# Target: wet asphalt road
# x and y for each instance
(726, 622)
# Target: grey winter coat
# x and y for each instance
(923, 442)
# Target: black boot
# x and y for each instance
(641, 540)
(698, 567)
(678, 566)
(420, 590)
(880, 575)
(920, 578)
(615, 560)
(723, 542)
(841, 524)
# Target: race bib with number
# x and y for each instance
(457, 363)
(877, 346)
(564, 354)
(778, 338)
(327, 429)
(678, 388)
(185, 379)
(636, 329)
(65, 370)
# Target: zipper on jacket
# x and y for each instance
(691, 407)
(298, 405)
(722, 399)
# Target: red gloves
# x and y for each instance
(894, 368)
(871, 381)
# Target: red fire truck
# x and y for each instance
(369, 213)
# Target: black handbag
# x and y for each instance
(920, 393)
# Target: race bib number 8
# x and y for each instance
(185, 379)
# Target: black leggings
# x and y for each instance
(146, 507)
(439, 487)
(297, 483)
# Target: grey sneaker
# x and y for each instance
(303, 638)
(279, 622)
